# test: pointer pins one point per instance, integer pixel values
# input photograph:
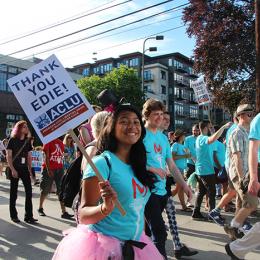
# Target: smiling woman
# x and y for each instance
(103, 233)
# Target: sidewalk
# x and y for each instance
(38, 242)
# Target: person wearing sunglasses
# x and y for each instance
(238, 149)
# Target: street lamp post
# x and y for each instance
(158, 38)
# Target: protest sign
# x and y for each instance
(50, 99)
(202, 94)
(37, 160)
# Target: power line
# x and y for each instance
(48, 50)
(112, 29)
(151, 35)
(138, 39)
(113, 34)
(100, 38)
(121, 44)
(90, 27)
(64, 22)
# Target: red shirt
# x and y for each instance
(56, 150)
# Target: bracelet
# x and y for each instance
(102, 212)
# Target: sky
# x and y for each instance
(19, 18)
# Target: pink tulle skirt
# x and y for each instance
(84, 244)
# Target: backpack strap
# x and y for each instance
(108, 164)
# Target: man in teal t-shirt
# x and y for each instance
(189, 142)
(158, 158)
(205, 167)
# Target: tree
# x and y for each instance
(225, 47)
(123, 81)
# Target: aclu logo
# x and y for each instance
(42, 121)
(58, 111)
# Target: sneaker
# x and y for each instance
(246, 227)
(184, 251)
(230, 253)
(198, 216)
(189, 205)
(16, 220)
(233, 233)
(30, 220)
(66, 215)
(216, 217)
(41, 212)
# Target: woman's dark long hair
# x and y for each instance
(108, 142)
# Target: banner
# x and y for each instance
(50, 98)
(202, 94)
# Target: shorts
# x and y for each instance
(46, 181)
(248, 201)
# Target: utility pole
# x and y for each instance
(257, 41)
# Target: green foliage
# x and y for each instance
(225, 47)
(123, 81)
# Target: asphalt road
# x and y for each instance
(38, 242)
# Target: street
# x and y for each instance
(24, 241)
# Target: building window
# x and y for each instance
(3, 79)
(3, 67)
(178, 107)
(163, 89)
(193, 111)
(163, 75)
(170, 62)
(148, 89)
(85, 72)
(102, 69)
(179, 93)
(147, 75)
(133, 62)
(178, 78)
(178, 65)
(179, 122)
(12, 70)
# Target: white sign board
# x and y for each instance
(37, 160)
(50, 99)
(201, 92)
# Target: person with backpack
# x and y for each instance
(52, 170)
(103, 233)
(70, 184)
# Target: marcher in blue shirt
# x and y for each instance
(189, 142)
(180, 154)
(158, 157)
(205, 167)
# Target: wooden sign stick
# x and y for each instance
(93, 166)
